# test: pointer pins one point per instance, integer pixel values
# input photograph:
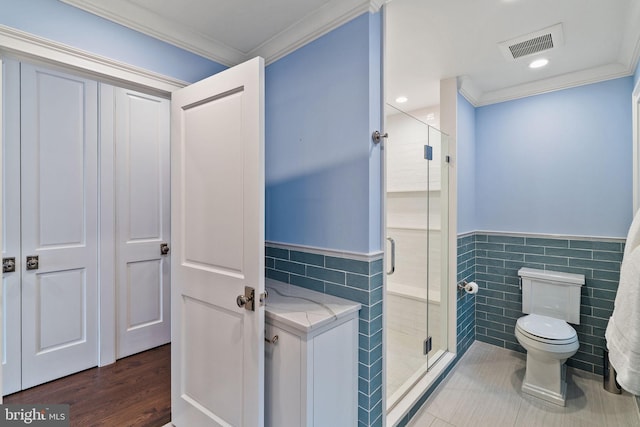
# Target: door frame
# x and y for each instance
(27, 47)
(635, 108)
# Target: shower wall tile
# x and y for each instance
(498, 303)
(354, 279)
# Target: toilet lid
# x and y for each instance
(546, 327)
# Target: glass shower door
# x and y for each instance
(437, 260)
(415, 312)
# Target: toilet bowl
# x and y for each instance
(549, 342)
(550, 299)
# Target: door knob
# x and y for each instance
(242, 301)
(248, 299)
(164, 248)
(272, 340)
(32, 262)
(8, 265)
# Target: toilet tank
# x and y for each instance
(551, 293)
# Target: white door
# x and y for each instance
(11, 320)
(59, 224)
(217, 212)
(142, 222)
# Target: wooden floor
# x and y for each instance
(134, 391)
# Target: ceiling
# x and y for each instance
(426, 40)
(429, 40)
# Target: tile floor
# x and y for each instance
(483, 390)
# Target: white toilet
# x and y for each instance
(551, 299)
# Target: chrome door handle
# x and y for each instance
(248, 300)
(272, 340)
(393, 256)
(8, 265)
(32, 262)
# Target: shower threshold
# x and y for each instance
(402, 401)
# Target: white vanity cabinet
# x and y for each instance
(312, 367)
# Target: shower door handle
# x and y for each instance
(393, 256)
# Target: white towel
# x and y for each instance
(633, 236)
(623, 330)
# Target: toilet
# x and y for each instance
(551, 301)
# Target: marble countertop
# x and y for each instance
(303, 309)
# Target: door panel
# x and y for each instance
(59, 224)
(205, 165)
(144, 294)
(143, 221)
(11, 322)
(221, 402)
(61, 296)
(217, 131)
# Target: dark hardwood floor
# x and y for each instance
(134, 391)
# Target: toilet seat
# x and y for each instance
(546, 330)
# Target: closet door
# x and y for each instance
(11, 322)
(142, 221)
(59, 224)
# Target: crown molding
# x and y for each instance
(313, 26)
(565, 81)
(153, 25)
(320, 22)
(467, 88)
(477, 98)
(630, 47)
(24, 45)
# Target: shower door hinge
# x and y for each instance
(428, 152)
(427, 345)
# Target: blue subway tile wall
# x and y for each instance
(349, 278)
(465, 312)
(466, 303)
(499, 301)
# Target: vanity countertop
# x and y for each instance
(303, 309)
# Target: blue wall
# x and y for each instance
(557, 163)
(54, 20)
(466, 165)
(322, 170)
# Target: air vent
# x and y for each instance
(532, 43)
(531, 46)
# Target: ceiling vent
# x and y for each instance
(532, 43)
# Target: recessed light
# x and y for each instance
(401, 99)
(539, 63)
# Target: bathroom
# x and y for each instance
(563, 198)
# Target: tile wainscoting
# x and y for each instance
(359, 278)
(351, 276)
(490, 259)
(499, 300)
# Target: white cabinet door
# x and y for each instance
(59, 224)
(217, 216)
(285, 379)
(142, 221)
(11, 321)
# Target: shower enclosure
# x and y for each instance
(416, 231)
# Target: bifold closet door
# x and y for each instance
(11, 321)
(142, 221)
(59, 224)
